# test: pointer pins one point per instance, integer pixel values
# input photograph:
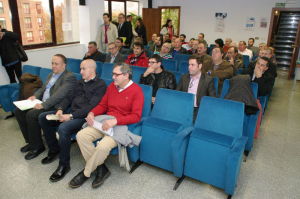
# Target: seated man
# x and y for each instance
(262, 75)
(188, 45)
(114, 55)
(138, 58)
(220, 68)
(194, 48)
(177, 48)
(201, 38)
(244, 51)
(121, 105)
(207, 60)
(251, 47)
(58, 85)
(152, 41)
(93, 53)
(165, 51)
(157, 77)
(182, 38)
(196, 82)
(234, 58)
(85, 96)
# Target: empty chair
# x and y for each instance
(183, 67)
(137, 71)
(246, 60)
(166, 131)
(99, 68)
(73, 65)
(34, 70)
(170, 64)
(216, 145)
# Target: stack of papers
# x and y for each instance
(98, 125)
(52, 117)
(26, 104)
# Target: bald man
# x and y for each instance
(70, 116)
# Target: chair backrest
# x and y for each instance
(177, 76)
(78, 76)
(170, 64)
(44, 72)
(216, 84)
(73, 65)
(147, 91)
(254, 87)
(136, 73)
(183, 66)
(99, 68)
(175, 106)
(246, 60)
(34, 70)
(107, 69)
(226, 86)
(221, 116)
(181, 57)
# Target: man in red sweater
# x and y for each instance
(138, 58)
(121, 105)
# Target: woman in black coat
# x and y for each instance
(141, 30)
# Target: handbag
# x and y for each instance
(21, 52)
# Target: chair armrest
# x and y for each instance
(136, 127)
(179, 147)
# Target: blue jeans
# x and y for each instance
(65, 130)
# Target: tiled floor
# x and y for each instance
(272, 169)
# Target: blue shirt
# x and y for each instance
(51, 82)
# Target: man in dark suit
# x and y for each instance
(58, 85)
(125, 29)
(196, 82)
(114, 55)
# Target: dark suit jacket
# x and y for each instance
(224, 71)
(63, 85)
(119, 58)
(126, 31)
(205, 86)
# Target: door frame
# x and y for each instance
(177, 7)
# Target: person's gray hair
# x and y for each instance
(125, 69)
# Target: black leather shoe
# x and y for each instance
(34, 153)
(102, 173)
(59, 173)
(25, 148)
(50, 158)
(78, 180)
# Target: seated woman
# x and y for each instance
(157, 45)
(165, 51)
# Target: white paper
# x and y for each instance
(26, 104)
(98, 125)
(52, 117)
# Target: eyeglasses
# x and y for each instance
(117, 74)
(152, 62)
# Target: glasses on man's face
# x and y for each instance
(111, 48)
(116, 74)
(152, 62)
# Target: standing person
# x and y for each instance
(141, 30)
(125, 30)
(108, 33)
(167, 28)
(9, 56)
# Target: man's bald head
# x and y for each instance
(88, 69)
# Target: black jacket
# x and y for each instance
(126, 31)
(85, 96)
(8, 49)
(165, 79)
(97, 56)
(141, 31)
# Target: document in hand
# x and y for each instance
(98, 125)
(26, 104)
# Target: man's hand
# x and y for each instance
(31, 98)
(59, 113)
(38, 106)
(107, 124)
(87, 54)
(64, 117)
(148, 71)
(153, 100)
(90, 118)
(258, 73)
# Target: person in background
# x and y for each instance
(125, 30)
(177, 48)
(140, 29)
(206, 59)
(151, 43)
(201, 38)
(157, 77)
(228, 44)
(93, 53)
(165, 51)
(251, 47)
(120, 45)
(108, 33)
(114, 56)
(188, 46)
(138, 58)
(167, 28)
(9, 56)
(234, 58)
(219, 42)
(182, 38)
(157, 44)
(194, 48)
(166, 38)
(244, 51)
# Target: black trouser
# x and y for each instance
(29, 125)
(12, 70)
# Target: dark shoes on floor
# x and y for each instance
(78, 180)
(25, 148)
(59, 173)
(34, 153)
(102, 173)
(50, 158)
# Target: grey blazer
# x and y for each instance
(63, 85)
(119, 58)
(205, 86)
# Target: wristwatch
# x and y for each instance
(71, 117)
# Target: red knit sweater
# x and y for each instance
(142, 60)
(125, 106)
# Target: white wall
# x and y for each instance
(199, 16)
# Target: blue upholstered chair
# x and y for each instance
(73, 65)
(170, 64)
(246, 60)
(216, 84)
(106, 73)
(34, 70)
(99, 68)
(44, 72)
(216, 145)
(250, 121)
(181, 57)
(177, 76)
(136, 73)
(183, 67)
(78, 76)
(166, 131)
